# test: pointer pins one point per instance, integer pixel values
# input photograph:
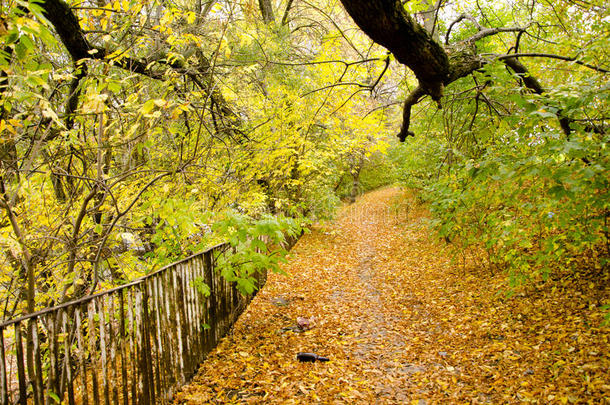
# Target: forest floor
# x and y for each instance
(404, 323)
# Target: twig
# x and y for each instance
(551, 56)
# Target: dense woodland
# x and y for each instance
(134, 133)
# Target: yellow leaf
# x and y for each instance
(94, 103)
(190, 17)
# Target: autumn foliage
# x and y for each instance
(402, 322)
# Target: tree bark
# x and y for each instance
(65, 22)
(68, 28)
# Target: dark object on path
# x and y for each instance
(310, 357)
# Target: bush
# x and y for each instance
(535, 207)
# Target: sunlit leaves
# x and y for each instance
(223, 111)
(94, 103)
(258, 245)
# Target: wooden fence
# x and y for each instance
(134, 344)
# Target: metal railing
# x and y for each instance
(133, 344)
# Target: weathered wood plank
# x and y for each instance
(179, 350)
(112, 336)
(67, 360)
(142, 394)
(31, 370)
(181, 273)
(197, 320)
(23, 399)
(93, 350)
(37, 386)
(103, 351)
(133, 352)
(3, 371)
(170, 321)
(123, 354)
(53, 382)
(146, 334)
(82, 360)
(158, 344)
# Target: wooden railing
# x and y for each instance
(134, 344)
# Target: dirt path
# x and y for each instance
(401, 324)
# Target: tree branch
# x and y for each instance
(65, 22)
(266, 10)
(552, 56)
(388, 24)
(385, 68)
(26, 256)
(533, 84)
(459, 19)
(493, 31)
(286, 12)
(80, 72)
(410, 101)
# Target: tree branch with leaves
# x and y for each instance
(436, 66)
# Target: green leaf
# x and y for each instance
(147, 107)
(54, 397)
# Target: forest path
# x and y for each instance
(399, 322)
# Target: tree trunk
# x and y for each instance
(429, 17)
(388, 24)
(266, 11)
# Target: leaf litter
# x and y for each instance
(401, 322)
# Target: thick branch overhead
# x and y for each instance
(388, 24)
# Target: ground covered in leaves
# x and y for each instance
(403, 323)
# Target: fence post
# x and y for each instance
(147, 355)
(3, 376)
(23, 391)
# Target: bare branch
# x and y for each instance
(322, 62)
(552, 56)
(337, 27)
(533, 84)
(493, 31)
(460, 18)
(385, 68)
(339, 82)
